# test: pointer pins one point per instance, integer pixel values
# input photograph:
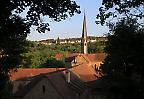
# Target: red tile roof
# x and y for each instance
(28, 72)
(85, 72)
(71, 57)
(98, 57)
(59, 56)
(58, 81)
(73, 54)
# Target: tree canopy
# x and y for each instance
(120, 8)
(15, 28)
(53, 63)
(96, 47)
(55, 9)
(38, 54)
(124, 62)
(123, 66)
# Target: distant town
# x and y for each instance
(72, 40)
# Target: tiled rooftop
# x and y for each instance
(59, 56)
(30, 72)
(85, 73)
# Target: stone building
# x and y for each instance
(93, 60)
(48, 84)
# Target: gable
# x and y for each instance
(51, 85)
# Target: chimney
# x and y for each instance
(67, 76)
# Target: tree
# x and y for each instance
(58, 41)
(96, 47)
(12, 44)
(53, 63)
(120, 8)
(14, 29)
(38, 54)
(124, 61)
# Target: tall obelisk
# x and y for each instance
(84, 44)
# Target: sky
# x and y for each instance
(72, 26)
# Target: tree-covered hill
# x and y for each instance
(38, 55)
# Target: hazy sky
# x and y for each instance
(72, 27)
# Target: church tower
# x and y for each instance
(84, 44)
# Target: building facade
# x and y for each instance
(60, 84)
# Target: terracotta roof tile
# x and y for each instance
(71, 57)
(95, 57)
(85, 72)
(73, 54)
(98, 57)
(28, 72)
(59, 56)
(58, 81)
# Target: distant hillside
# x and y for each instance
(71, 40)
(41, 52)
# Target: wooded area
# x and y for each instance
(39, 54)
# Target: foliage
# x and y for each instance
(53, 63)
(14, 29)
(57, 10)
(38, 54)
(124, 61)
(93, 47)
(71, 48)
(96, 47)
(120, 8)
(13, 32)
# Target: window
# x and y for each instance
(43, 89)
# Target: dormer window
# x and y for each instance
(75, 61)
(67, 76)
